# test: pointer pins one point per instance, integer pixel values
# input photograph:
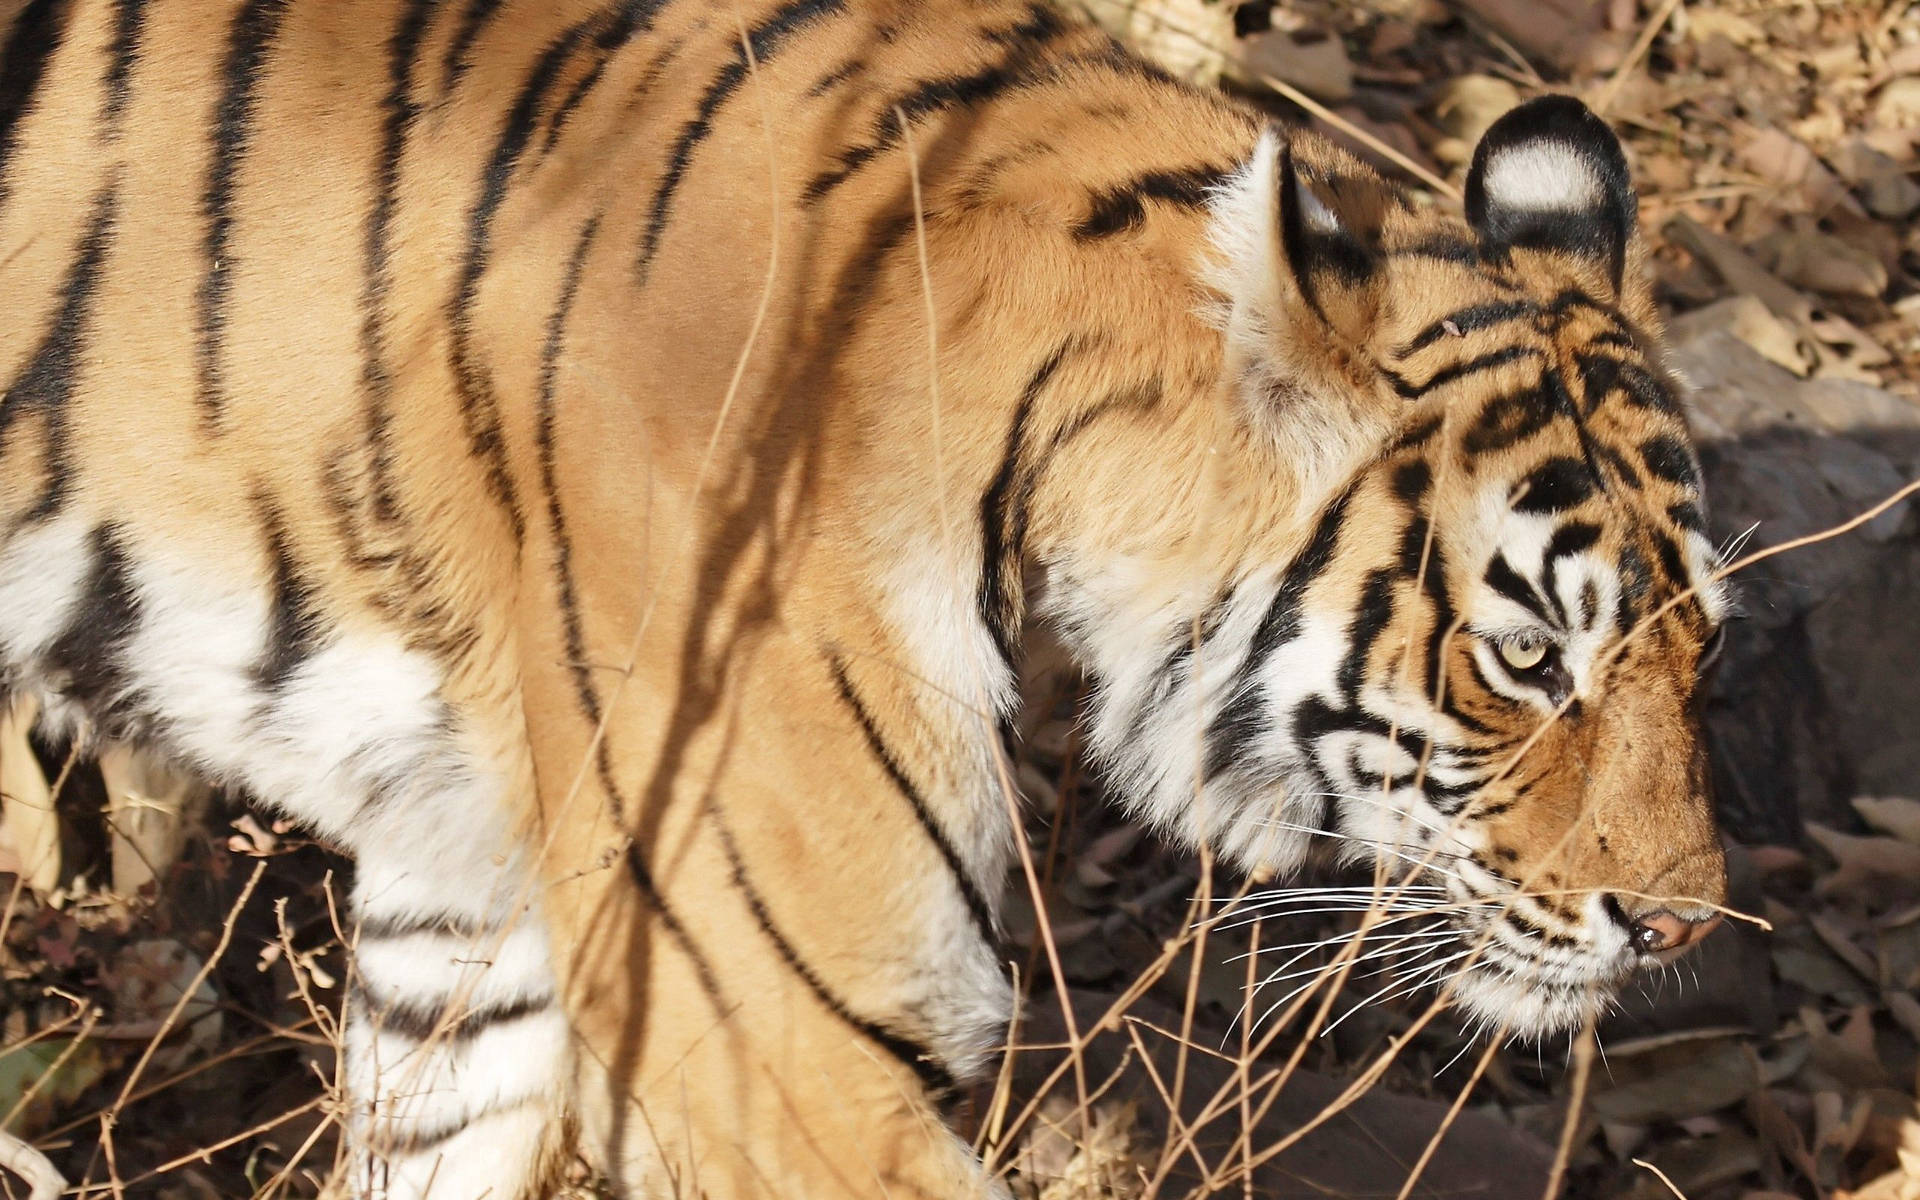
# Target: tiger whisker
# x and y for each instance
(1325, 969)
(1380, 802)
(1395, 915)
(1385, 948)
(1333, 969)
(1399, 987)
(1359, 889)
(1307, 947)
(1737, 542)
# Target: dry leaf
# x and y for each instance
(1896, 816)
(1867, 864)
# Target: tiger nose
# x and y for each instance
(1664, 930)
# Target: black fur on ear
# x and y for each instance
(1329, 235)
(1550, 175)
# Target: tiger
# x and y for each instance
(604, 464)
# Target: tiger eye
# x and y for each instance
(1522, 656)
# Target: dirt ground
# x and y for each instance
(170, 966)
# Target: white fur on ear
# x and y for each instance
(1242, 264)
(1543, 176)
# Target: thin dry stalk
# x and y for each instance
(1661, 1176)
(1582, 1073)
(187, 993)
(52, 1070)
(1635, 56)
(1176, 1128)
(683, 551)
(205, 1153)
(114, 1185)
(1295, 95)
(1453, 1111)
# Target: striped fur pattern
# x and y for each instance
(508, 438)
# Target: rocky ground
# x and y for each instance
(1775, 145)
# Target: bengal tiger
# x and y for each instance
(601, 464)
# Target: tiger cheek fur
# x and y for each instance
(508, 440)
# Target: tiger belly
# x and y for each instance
(457, 1051)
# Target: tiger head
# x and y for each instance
(1473, 655)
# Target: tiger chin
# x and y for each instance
(600, 464)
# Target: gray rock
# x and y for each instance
(1819, 696)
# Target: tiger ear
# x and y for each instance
(1297, 264)
(1329, 230)
(1550, 175)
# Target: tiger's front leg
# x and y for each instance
(456, 1051)
(457, 1057)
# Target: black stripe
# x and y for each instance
(1017, 69)
(479, 406)
(1668, 551)
(1315, 719)
(917, 1058)
(573, 634)
(294, 627)
(1372, 614)
(1571, 538)
(1617, 463)
(1467, 320)
(1411, 479)
(1239, 719)
(1502, 578)
(1463, 370)
(1687, 515)
(1508, 419)
(1574, 299)
(834, 78)
(963, 880)
(1441, 248)
(1636, 584)
(1413, 545)
(1174, 666)
(1554, 387)
(129, 22)
(1122, 208)
(634, 17)
(89, 654)
(249, 41)
(36, 35)
(398, 115)
(1003, 518)
(1416, 437)
(1669, 459)
(46, 383)
(766, 39)
(422, 1019)
(458, 59)
(649, 888)
(573, 631)
(1558, 484)
(1434, 585)
(395, 926)
(1602, 375)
